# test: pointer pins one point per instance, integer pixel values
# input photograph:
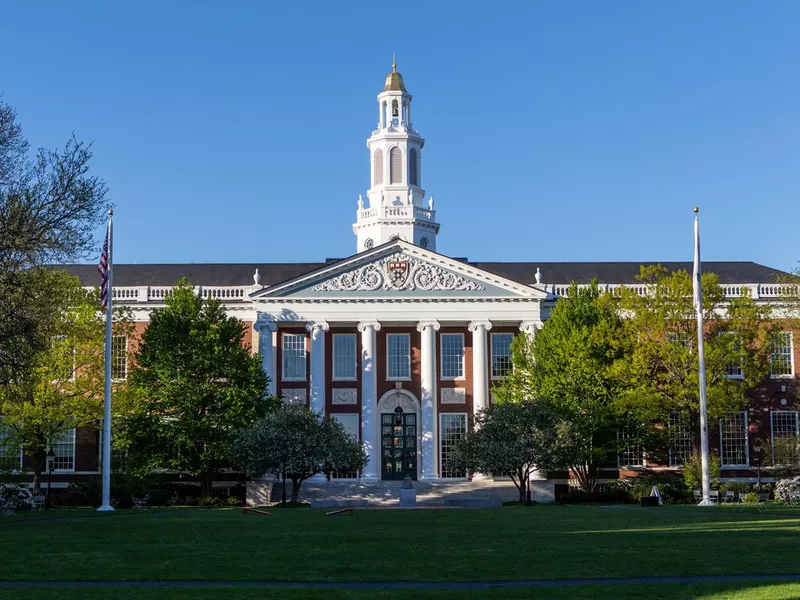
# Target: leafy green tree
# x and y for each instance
(516, 438)
(570, 364)
(63, 387)
(296, 443)
(663, 372)
(194, 382)
(50, 206)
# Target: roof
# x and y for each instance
(521, 272)
(394, 82)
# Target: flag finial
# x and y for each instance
(696, 210)
(110, 212)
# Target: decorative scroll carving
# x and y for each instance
(398, 272)
(295, 395)
(345, 396)
(454, 396)
(402, 398)
(265, 321)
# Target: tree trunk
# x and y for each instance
(206, 484)
(296, 481)
(39, 457)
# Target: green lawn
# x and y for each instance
(542, 542)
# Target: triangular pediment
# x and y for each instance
(399, 270)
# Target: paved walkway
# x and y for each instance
(397, 585)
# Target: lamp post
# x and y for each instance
(757, 450)
(50, 456)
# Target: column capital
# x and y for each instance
(423, 324)
(529, 327)
(485, 323)
(265, 322)
(321, 325)
(362, 325)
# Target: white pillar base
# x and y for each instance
(370, 479)
(106, 508)
(706, 503)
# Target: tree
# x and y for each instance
(49, 208)
(516, 438)
(194, 382)
(297, 443)
(63, 386)
(570, 364)
(663, 372)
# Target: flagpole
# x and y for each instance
(701, 357)
(106, 504)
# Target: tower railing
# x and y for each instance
(397, 212)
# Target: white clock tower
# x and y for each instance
(397, 206)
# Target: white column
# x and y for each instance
(369, 399)
(430, 465)
(266, 329)
(480, 371)
(317, 372)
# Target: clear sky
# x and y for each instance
(555, 131)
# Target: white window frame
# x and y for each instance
(334, 337)
(389, 357)
(746, 464)
(114, 357)
(791, 359)
(442, 361)
(623, 435)
(441, 444)
(302, 336)
(72, 434)
(492, 337)
(7, 454)
(672, 463)
(343, 418)
(772, 428)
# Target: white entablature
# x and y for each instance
(396, 207)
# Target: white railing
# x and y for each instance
(156, 293)
(756, 291)
(396, 212)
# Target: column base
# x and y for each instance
(431, 479)
(480, 477)
(370, 479)
(105, 508)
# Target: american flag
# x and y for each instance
(102, 268)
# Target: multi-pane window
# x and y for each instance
(680, 439)
(733, 440)
(631, 453)
(351, 424)
(734, 370)
(781, 355)
(10, 455)
(398, 356)
(63, 446)
(501, 354)
(119, 357)
(452, 355)
(453, 427)
(344, 356)
(294, 357)
(785, 437)
(687, 341)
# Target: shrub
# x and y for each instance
(209, 501)
(20, 492)
(233, 501)
(692, 470)
(751, 498)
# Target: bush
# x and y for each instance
(692, 470)
(209, 501)
(751, 498)
(233, 501)
(20, 492)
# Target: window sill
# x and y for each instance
(787, 376)
(398, 379)
(734, 467)
(351, 379)
(289, 380)
(462, 378)
(734, 377)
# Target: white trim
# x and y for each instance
(439, 457)
(125, 377)
(333, 357)
(620, 465)
(772, 428)
(386, 340)
(283, 356)
(492, 335)
(745, 465)
(442, 376)
(791, 359)
(73, 442)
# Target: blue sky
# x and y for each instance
(555, 131)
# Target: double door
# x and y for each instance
(398, 446)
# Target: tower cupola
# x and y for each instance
(397, 206)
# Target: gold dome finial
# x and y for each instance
(394, 63)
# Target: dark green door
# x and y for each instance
(399, 445)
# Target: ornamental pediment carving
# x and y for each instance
(400, 272)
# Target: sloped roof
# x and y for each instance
(522, 272)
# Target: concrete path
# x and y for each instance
(397, 585)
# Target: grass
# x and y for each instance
(542, 542)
